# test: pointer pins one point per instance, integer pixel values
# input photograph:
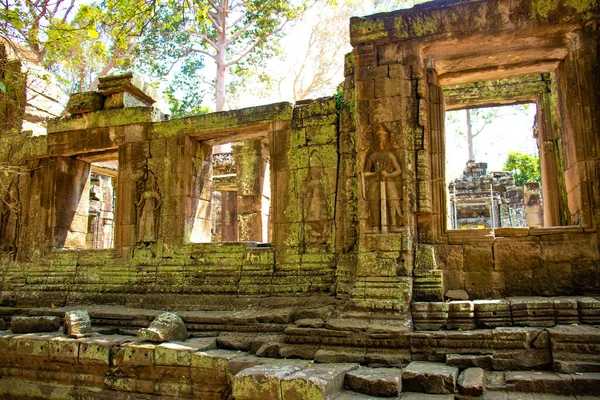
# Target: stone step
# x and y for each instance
(290, 381)
(544, 382)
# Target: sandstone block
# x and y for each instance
(429, 377)
(77, 324)
(166, 327)
(85, 102)
(320, 381)
(310, 323)
(471, 382)
(261, 382)
(470, 360)
(386, 382)
(34, 324)
(456, 294)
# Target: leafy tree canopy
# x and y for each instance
(525, 167)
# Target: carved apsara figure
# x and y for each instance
(148, 212)
(380, 186)
(9, 219)
(315, 207)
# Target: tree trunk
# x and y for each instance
(470, 136)
(220, 81)
(222, 10)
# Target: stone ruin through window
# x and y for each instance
(482, 196)
(241, 193)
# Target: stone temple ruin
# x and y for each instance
(361, 288)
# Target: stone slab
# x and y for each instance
(429, 377)
(386, 382)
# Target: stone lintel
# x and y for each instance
(129, 82)
(495, 92)
(456, 16)
(228, 126)
(102, 119)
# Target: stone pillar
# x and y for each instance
(552, 169)
(198, 191)
(389, 134)
(71, 203)
(250, 164)
(534, 211)
(229, 216)
(579, 87)
(132, 169)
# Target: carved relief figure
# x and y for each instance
(315, 207)
(380, 186)
(9, 219)
(148, 212)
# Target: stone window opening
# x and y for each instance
(84, 218)
(240, 197)
(481, 195)
(101, 215)
(553, 201)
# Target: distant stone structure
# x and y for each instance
(479, 199)
(359, 252)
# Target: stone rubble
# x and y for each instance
(166, 327)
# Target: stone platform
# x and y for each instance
(41, 366)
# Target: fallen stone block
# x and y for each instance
(166, 327)
(429, 377)
(320, 381)
(34, 324)
(77, 324)
(385, 382)
(471, 382)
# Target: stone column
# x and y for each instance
(198, 190)
(534, 212)
(132, 168)
(229, 216)
(552, 169)
(250, 164)
(579, 87)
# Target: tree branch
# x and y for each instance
(236, 35)
(206, 53)
(253, 46)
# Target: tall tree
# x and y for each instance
(237, 35)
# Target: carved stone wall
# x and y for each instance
(358, 191)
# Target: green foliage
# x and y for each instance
(525, 167)
(2, 87)
(340, 103)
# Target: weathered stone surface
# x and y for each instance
(470, 360)
(84, 102)
(540, 382)
(471, 382)
(77, 324)
(428, 377)
(235, 341)
(310, 323)
(34, 324)
(261, 382)
(320, 381)
(385, 382)
(166, 327)
(456, 294)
